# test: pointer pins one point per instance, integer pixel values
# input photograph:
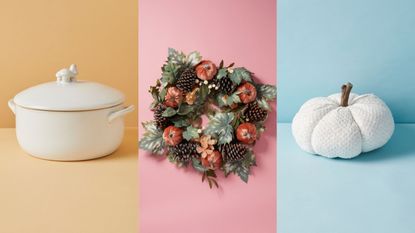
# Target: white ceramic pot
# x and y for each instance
(69, 120)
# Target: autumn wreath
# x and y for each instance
(234, 103)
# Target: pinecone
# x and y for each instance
(254, 113)
(233, 151)
(184, 151)
(186, 80)
(226, 85)
(161, 121)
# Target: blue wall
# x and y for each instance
(324, 43)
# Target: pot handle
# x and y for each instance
(12, 106)
(112, 116)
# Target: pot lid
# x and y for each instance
(69, 94)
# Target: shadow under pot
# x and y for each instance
(69, 120)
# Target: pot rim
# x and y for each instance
(86, 110)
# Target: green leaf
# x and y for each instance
(172, 52)
(193, 58)
(234, 98)
(152, 139)
(249, 159)
(262, 103)
(197, 165)
(225, 100)
(172, 158)
(154, 91)
(229, 168)
(162, 94)
(176, 57)
(153, 104)
(169, 73)
(220, 125)
(184, 109)
(240, 74)
(269, 92)
(203, 92)
(240, 168)
(169, 112)
(190, 133)
(260, 128)
(243, 173)
(222, 73)
(180, 122)
(221, 100)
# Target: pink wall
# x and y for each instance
(175, 200)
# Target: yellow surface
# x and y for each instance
(40, 37)
(96, 196)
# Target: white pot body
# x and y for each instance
(72, 135)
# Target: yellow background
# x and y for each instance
(94, 196)
(37, 38)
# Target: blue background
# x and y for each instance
(373, 193)
(322, 44)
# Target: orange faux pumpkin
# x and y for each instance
(173, 97)
(172, 135)
(247, 93)
(246, 133)
(206, 70)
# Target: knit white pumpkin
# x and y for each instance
(343, 125)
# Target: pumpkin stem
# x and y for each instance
(346, 89)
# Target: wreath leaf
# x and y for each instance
(190, 133)
(222, 73)
(220, 125)
(203, 93)
(176, 57)
(152, 139)
(239, 74)
(180, 122)
(163, 93)
(197, 165)
(268, 92)
(241, 168)
(169, 73)
(193, 58)
(262, 103)
(225, 100)
(169, 112)
(184, 109)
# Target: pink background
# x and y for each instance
(175, 200)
